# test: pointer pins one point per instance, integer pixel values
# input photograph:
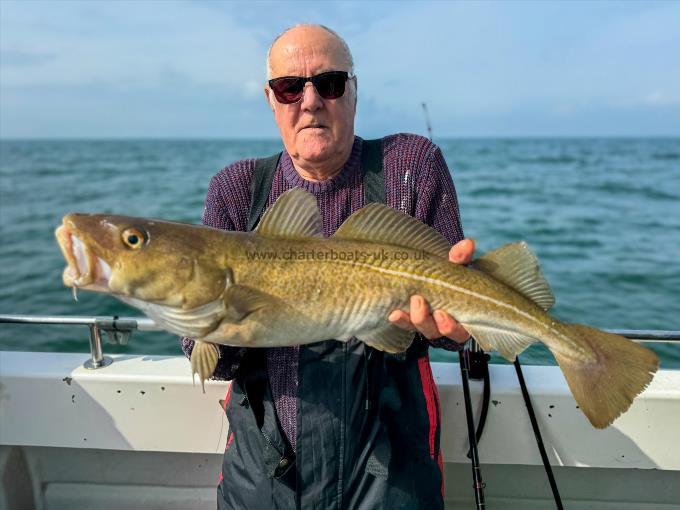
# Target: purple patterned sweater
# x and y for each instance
(417, 182)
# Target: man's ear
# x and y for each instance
(269, 98)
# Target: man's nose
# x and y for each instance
(311, 100)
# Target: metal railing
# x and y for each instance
(119, 329)
(647, 335)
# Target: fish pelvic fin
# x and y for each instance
(516, 266)
(204, 358)
(294, 215)
(606, 388)
(378, 223)
(391, 339)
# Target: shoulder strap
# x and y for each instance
(260, 186)
(372, 167)
(374, 191)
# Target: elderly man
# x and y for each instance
(331, 424)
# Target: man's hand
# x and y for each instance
(439, 323)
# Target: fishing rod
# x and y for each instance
(427, 121)
(537, 434)
(473, 364)
(478, 485)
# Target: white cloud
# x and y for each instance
(128, 43)
(658, 98)
(253, 89)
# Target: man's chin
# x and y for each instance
(316, 148)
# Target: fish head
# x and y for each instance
(154, 261)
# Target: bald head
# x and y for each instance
(307, 38)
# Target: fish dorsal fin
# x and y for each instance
(379, 223)
(516, 266)
(294, 215)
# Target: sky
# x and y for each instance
(196, 69)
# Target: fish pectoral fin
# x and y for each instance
(204, 358)
(379, 223)
(517, 267)
(241, 301)
(507, 343)
(194, 322)
(390, 339)
(294, 215)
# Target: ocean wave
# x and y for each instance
(667, 156)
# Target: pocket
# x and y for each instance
(233, 418)
(235, 397)
(256, 426)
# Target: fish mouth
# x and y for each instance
(84, 270)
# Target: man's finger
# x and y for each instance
(422, 318)
(401, 319)
(462, 251)
(449, 327)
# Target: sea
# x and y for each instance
(602, 215)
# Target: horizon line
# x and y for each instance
(274, 139)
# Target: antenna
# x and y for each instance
(427, 120)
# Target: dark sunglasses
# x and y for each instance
(289, 89)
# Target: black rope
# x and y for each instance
(478, 485)
(537, 434)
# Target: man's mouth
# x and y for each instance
(313, 126)
(84, 268)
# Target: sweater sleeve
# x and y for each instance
(215, 214)
(437, 203)
(437, 206)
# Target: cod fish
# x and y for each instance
(286, 284)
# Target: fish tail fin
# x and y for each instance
(204, 358)
(605, 388)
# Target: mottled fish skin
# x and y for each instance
(285, 284)
(336, 299)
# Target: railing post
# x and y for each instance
(98, 360)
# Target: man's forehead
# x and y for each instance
(307, 45)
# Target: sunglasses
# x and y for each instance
(289, 89)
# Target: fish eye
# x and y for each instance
(133, 238)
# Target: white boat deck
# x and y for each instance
(139, 434)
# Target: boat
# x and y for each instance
(134, 431)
